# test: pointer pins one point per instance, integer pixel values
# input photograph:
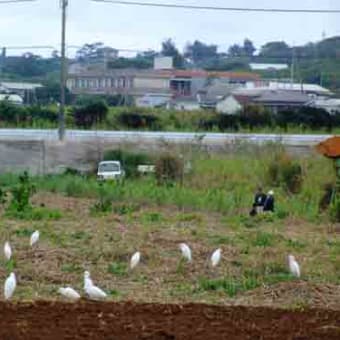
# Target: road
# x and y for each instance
(176, 137)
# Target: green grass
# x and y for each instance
(118, 268)
(217, 184)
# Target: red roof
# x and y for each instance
(206, 74)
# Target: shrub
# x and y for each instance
(255, 116)
(169, 169)
(291, 173)
(86, 116)
(21, 194)
(135, 120)
(104, 203)
(229, 122)
(283, 170)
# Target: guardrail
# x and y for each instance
(180, 137)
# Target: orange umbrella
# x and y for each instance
(330, 147)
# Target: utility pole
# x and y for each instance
(63, 71)
(292, 68)
(2, 60)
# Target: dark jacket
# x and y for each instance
(259, 199)
(269, 204)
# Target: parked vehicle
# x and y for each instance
(110, 170)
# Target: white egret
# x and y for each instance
(10, 285)
(34, 238)
(186, 251)
(94, 292)
(87, 279)
(69, 293)
(7, 251)
(134, 260)
(216, 257)
(294, 267)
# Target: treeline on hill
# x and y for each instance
(92, 113)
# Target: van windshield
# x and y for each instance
(108, 167)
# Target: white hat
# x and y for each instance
(271, 193)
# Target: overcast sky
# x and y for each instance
(142, 28)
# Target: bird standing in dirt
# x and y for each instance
(94, 292)
(7, 251)
(10, 285)
(294, 267)
(216, 257)
(134, 260)
(34, 238)
(69, 293)
(186, 251)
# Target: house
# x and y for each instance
(153, 100)
(331, 105)
(184, 104)
(313, 90)
(275, 100)
(229, 105)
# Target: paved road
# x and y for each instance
(178, 137)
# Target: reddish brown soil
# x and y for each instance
(120, 321)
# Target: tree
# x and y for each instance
(276, 49)
(95, 51)
(198, 51)
(235, 50)
(169, 49)
(248, 48)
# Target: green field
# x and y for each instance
(207, 209)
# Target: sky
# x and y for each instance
(140, 28)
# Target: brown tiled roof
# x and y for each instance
(205, 74)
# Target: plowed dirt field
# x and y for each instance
(119, 321)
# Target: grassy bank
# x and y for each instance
(217, 183)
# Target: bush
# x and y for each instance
(129, 160)
(104, 203)
(282, 170)
(307, 117)
(169, 169)
(21, 194)
(134, 120)
(229, 122)
(88, 115)
(255, 116)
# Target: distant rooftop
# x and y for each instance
(19, 85)
(264, 67)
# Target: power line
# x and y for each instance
(14, 1)
(35, 47)
(216, 8)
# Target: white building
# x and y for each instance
(11, 98)
(228, 105)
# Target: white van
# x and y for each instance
(110, 170)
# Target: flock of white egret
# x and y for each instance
(95, 293)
